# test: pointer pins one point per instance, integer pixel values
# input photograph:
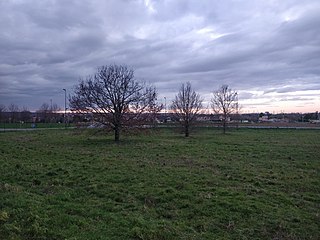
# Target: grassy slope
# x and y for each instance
(249, 184)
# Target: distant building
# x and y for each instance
(314, 121)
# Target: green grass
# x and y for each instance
(248, 184)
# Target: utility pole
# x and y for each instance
(51, 112)
(65, 108)
(165, 110)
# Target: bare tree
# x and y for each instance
(44, 112)
(2, 110)
(44, 107)
(154, 108)
(186, 106)
(225, 102)
(55, 108)
(25, 115)
(49, 113)
(54, 112)
(115, 96)
(14, 111)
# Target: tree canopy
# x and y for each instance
(187, 105)
(115, 96)
(225, 102)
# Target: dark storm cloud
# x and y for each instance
(260, 48)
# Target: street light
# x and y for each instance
(65, 107)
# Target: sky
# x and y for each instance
(267, 50)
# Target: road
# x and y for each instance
(29, 129)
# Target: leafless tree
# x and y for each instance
(14, 111)
(44, 112)
(44, 107)
(25, 115)
(154, 108)
(2, 110)
(55, 108)
(186, 106)
(115, 96)
(49, 113)
(225, 102)
(54, 112)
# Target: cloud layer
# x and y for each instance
(267, 50)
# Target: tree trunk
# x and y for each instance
(186, 130)
(116, 133)
(224, 126)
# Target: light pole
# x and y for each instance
(65, 107)
(237, 110)
(165, 110)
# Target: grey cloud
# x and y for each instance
(292, 89)
(246, 95)
(47, 45)
(295, 99)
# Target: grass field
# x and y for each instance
(248, 184)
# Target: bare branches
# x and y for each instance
(115, 95)
(225, 102)
(186, 106)
(2, 108)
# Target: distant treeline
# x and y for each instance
(58, 117)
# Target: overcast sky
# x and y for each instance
(267, 50)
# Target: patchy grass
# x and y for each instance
(248, 184)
